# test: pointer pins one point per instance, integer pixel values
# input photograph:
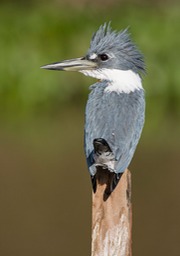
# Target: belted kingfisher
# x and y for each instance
(115, 109)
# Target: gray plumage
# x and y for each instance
(116, 118)
(115, 109)
(120, 44)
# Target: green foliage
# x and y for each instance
(31, 36)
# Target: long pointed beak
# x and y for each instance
(72, 65)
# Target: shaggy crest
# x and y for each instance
(106, 40)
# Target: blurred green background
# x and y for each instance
(45, 190)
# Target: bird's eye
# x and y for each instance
(103, 57)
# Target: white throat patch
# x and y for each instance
(119, 80)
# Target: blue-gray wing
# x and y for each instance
(116, 118)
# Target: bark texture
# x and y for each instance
(112, 216)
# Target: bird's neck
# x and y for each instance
(120, 81)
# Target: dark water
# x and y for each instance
(46, 192)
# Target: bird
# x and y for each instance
(115, 109)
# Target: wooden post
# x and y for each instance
(112, 216)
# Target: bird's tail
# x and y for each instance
(111, 182)
(104, 162)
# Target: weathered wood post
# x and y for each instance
(112, 216)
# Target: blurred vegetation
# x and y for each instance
(45, 191)
(32, 35)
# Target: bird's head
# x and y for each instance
(109, 51)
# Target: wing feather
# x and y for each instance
(118, 118)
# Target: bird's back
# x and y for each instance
(117, 119)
